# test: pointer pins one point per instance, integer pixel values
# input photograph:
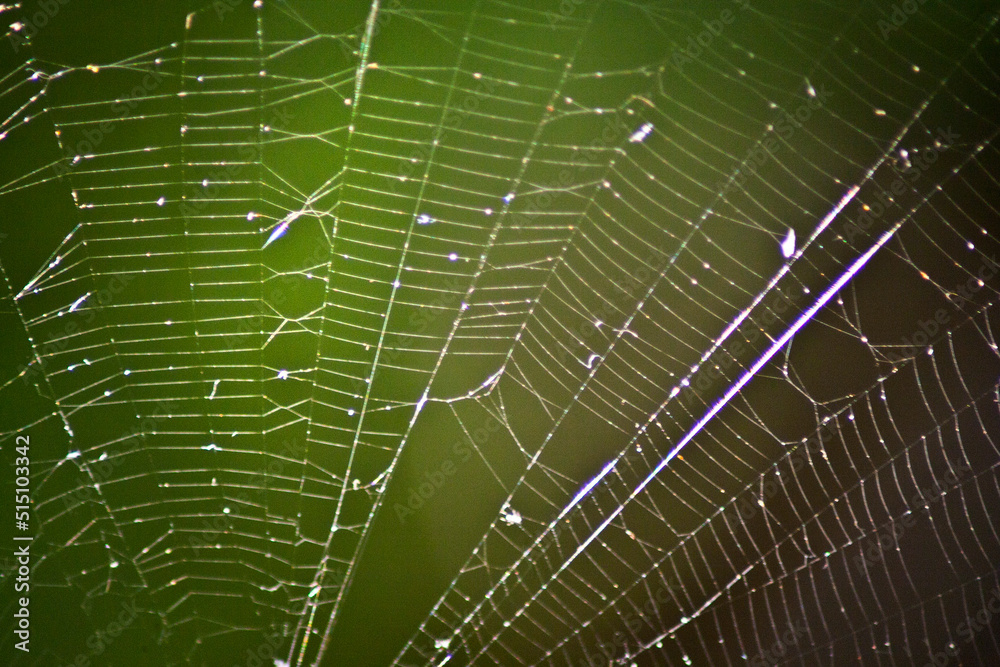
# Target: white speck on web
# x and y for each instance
(511, 517)
(79, 302)
(788, 245)
(641, 134)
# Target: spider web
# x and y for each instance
(507, 333)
